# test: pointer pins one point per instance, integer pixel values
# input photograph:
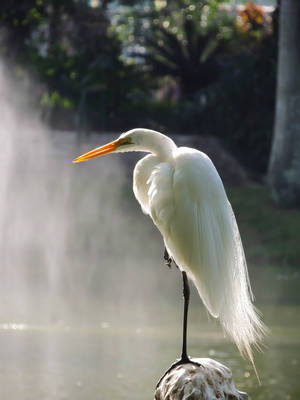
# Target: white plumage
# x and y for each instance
(181, 190)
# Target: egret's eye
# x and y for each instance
(124, 141)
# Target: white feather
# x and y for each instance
(186, 200)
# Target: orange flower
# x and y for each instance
(251, 16)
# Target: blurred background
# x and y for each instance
(87, 308)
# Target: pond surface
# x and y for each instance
(115, 360)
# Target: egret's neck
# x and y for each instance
(163, 149)
(157, 144)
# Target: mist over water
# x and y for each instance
(82, 277)
(73, 238)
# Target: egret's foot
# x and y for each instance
(183, 360)
(167, 258)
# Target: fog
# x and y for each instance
(74, 243)
(82, 278)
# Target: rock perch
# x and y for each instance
(211, 381)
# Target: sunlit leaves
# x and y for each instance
(54, 99)
(176, 39)
(159, 4)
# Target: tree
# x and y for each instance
(191, 60)
(284, 165)
(180, 39)
(17, 21)
(68, 47)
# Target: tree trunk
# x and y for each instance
(284, 166)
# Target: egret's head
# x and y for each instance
(138, 139)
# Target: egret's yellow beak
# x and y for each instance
(100, 151)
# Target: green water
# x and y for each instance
(119, 360)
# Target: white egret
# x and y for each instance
(181, 190)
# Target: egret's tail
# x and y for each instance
(238, 316)
(227, 293)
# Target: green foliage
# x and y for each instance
(54, 99)
(69, 48)
(272, 233)
(245, 97)
(16, 24)
(270, 238)
(224, 66)
(215, 73)
(178, 39)
(243, 104)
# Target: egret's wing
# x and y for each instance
(189, 205)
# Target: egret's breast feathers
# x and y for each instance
(141, 184)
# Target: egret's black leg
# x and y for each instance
(186, 297)
(184, 357)
(167, 258)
